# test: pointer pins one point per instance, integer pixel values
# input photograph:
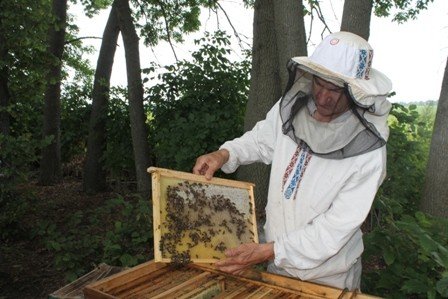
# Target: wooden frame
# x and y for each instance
(159, 280)
(160, 174)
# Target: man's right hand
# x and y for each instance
(207, 164)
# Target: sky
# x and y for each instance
(413, 55)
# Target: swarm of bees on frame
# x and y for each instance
(195, 217)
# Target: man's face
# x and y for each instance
(330, 99)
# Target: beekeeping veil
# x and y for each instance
(343, 59)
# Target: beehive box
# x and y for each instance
(196, 220)
(160, 280)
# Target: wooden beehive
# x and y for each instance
(160, 280)
(196, 219)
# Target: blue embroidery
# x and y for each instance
(298, 173)
(362, 65)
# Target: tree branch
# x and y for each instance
(167, 28)
(231, 25)
(321, 18)
(311, 27)
(80, 38)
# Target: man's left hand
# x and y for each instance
(245, 255)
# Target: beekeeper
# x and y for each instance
(325, 139)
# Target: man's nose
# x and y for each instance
(323, 97)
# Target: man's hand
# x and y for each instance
(209, 163)
(244, 256)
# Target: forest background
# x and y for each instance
(74, 148)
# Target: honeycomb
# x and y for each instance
(197, 220)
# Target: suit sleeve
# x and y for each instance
(256, 145)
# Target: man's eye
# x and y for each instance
(318, 83)
(335, 89)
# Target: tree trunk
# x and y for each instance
(94, 174)
(356, 17)
(4, 90)
(435, 194)
(50, 167)
(135, 87)
(279, 34)
(290, 35)
(4, 102)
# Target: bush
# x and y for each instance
(407, 155)
(118, 233)
(119, 155)
(75, 115)
(198, 105)
(414, 255)
(407, 250)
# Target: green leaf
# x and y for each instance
(118, 225)
(389, 256)
(71, 276)
(127, 260)
(55, 245)
(442, 287)
(428, 243)
(415, 286)
(431, 294)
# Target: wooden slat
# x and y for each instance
(156, 280)
(210, 288)
(91, 293)
(156, 216)
(254, 216)
(236, 292)
(75, 288)
(161, 284)
(285, 295)
(230, 286)
(261, 292)
(199, 178)
(250, 288)
(313, 290)
(253, 274)
(127, 276)
(309, 288)
(119, 289)
(195, 280)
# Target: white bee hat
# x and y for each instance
(344, 57)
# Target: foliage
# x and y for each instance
(92, 236)
(169, 20)
(17, 153)
(92, 7)
(414, 250)
(128, 243)
(409, 248)
(76, 67)
(13, 207)
(199, 104)
(75, 114)
(118, 156)
(405, 9)
(407, 154)
(24, 27)
(249, 3)
(23, 30)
